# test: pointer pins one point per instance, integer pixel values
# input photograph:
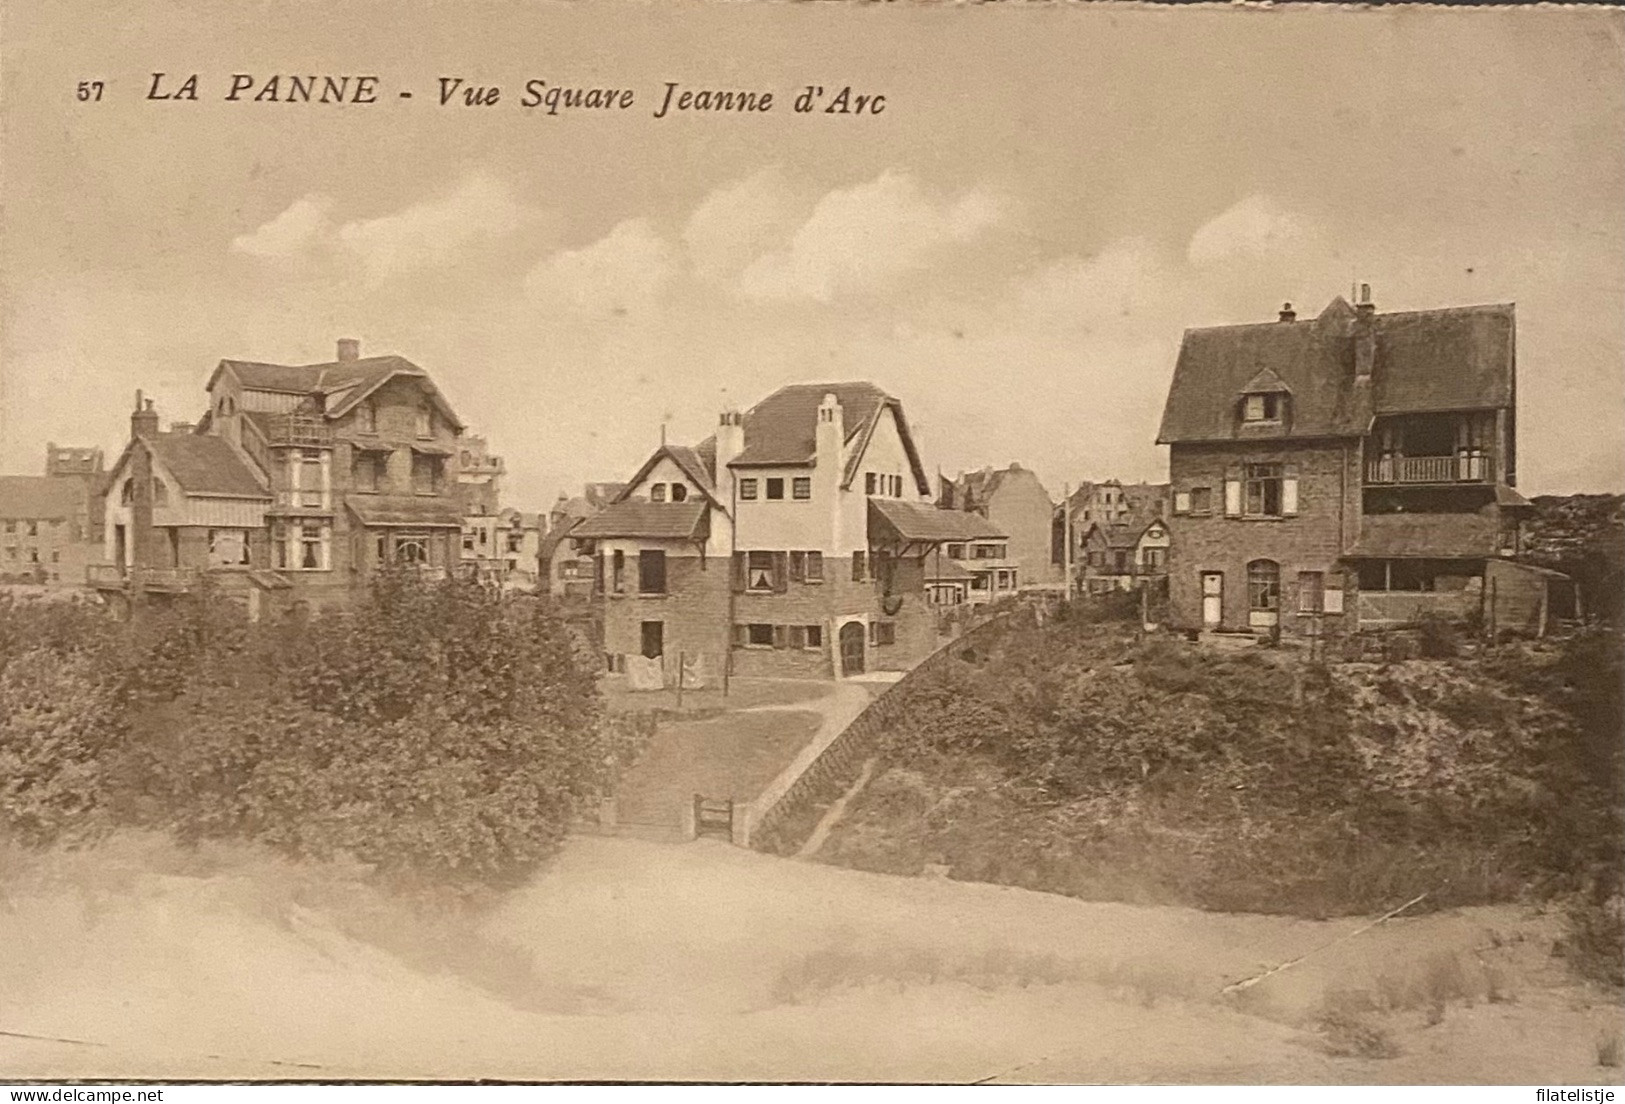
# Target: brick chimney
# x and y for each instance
(144, 419)
(1287, 313)
(730, 443)
(349, 350)
(1365, 335)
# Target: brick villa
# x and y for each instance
(791, 543)
(1351, 470)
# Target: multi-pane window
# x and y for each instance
(801, 488)
(815, 567)
(882, 632)
(425, 473)
(759, 571)
(1263, 490)
(956, 551)
(310, 478)
(1311, 591)
(312, 548)
(747, 490)
(1264, 585)
(657, 493)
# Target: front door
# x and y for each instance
(1212, 599)
(852, 648)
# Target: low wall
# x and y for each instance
(774, 821)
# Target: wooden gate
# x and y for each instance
(714, 817)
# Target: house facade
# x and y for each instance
(1123, 555)
(1111, 504)
(974, 573)
(49, 528)
(567, 569)
(792, 543)
(1351, 470)
(1017, 505)
(298, 483)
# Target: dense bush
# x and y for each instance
(439, 730)
(1079, 758)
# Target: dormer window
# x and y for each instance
(657, 493)
(1262, 407)
(679, 492)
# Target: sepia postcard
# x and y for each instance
(887, 543)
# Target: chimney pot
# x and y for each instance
(1287, 313)
(349, 350)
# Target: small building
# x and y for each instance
(1018, 506)
(1123, 555)
(48, 526)
(568, 571)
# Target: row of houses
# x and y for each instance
(1348, 471)
(296, 485)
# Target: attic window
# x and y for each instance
(679, 492)
(1261, 407)
(425, 420)
(365, 418)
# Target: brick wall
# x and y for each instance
(694, 611)
(1328, 518)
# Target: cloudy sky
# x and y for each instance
(1012, 247)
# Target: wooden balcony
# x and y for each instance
(1463, 467)
(300, 431)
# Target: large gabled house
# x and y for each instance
(1351, 470)
(791, 543)
(298, 483)
(1123, 554)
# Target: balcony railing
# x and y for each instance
(1464, 467)
(303, 430)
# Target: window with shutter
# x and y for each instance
(798, 566)
(740, 576)
(798, 636)
(741, 635)
(781, 636)
(815, 636)
(1182, 502)
(781, 572)
(1232, 498)
(1289, 493)
(857, 567)
(815, 567)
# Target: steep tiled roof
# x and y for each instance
(687, 459)
(207, 465)
(406, 511)
(40, 497)
(344, 382)
(652, 520)
(782, 428)
(949, 571)
(1457, 358)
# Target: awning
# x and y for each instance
(423, 448)
(395, 511)
(1427, 537)
(908, 527)
(371, 446)
(951, 571)
(684, 521)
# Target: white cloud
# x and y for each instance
(291, 234)
(863, 238)
(737, 222)
(1255, 227)
(628, 267)
(479, 209)
(421, 235)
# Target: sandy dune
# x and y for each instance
(702, 962)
